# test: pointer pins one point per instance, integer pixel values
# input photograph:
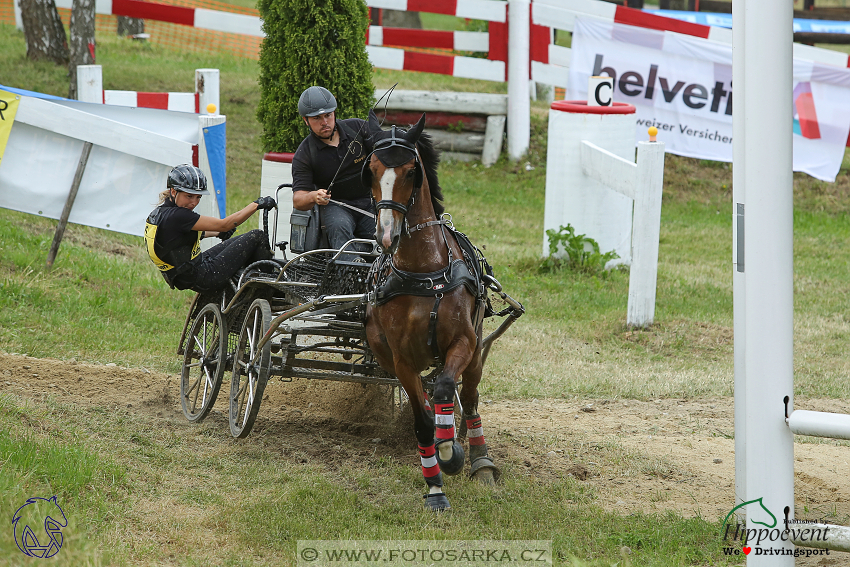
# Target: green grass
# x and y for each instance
(248, 504)
(131, 483)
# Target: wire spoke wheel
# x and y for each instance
(203, 363)
(250, 369)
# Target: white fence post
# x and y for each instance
(646, 228)
(90, 83)
(208, 89)
(769, 283)
(519, 105)
(19, 20)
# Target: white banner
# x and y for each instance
(682, 85)
(133, 151)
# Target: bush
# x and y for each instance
(311, 42)
(575, 251)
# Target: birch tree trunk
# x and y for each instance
(82, 40)
(43, 31)
(130, 26)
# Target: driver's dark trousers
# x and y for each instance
(219, 263)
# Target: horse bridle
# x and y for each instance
(385, 144)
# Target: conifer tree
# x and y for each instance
(311, 42)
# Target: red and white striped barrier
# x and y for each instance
(456, 40)
(490, 10)
(561, 14)
(181, 102)
(457, 66)
(207, 91)
(200, 18)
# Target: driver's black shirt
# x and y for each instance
(175, 232)
(315, 163)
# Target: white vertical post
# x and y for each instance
(19, 20)
(768, 254)
(207, 88)
(738, 278)
(90, 83)
(208, 205)
(646, 228)
(519, 106)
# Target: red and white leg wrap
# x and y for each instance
(475, 432)
(444, 418)
(427, 401)
(430, 468)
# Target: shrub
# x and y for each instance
(574, 251)
(311, 42)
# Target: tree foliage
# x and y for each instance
(311, 42)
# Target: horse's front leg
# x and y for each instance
(423, 426)
(449, 451)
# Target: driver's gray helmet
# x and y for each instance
(316, 100)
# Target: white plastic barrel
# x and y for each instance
(573, 198)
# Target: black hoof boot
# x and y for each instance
(483, 470)
(455, 464)
(437, 502)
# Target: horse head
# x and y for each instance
(395, 173)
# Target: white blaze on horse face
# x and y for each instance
(385, 216)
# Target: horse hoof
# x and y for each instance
(455, 464)
(484, 471)
(437, 502)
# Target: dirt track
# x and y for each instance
(649, 456)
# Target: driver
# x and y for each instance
(173, 234)
(333, 152)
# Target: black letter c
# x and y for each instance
(596, 95)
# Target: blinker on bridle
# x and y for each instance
(385, 145)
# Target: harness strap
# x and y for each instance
(425, 225)
(432, 328)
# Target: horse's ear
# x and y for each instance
(373, 126)
(414, 132)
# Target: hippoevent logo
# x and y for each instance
(766, 539)
(38, 513)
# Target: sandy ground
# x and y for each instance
(650, 456)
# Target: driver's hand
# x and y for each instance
(227, 234)
(322, 197)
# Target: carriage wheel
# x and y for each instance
(203, 363)
(249, 379)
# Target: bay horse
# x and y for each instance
(426, 303)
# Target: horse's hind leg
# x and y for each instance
(481, 466)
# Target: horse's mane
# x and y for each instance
(430, 160)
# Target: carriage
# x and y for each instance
(347, 315)
(300, 317)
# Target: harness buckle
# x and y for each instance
(447, 217)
